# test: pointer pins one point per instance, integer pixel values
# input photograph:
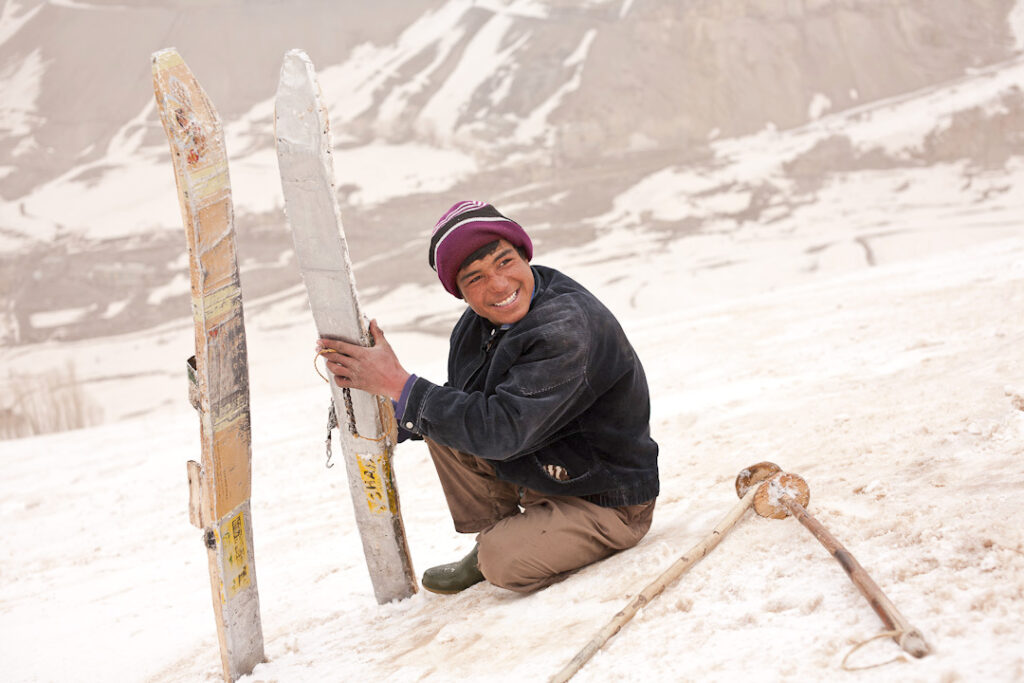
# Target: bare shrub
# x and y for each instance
(52, 401)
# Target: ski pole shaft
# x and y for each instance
(908, 637)
(692, 557)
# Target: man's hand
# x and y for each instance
(373, 369)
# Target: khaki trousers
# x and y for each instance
(527, 539)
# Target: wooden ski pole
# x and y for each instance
(746, 481)
(787, 494)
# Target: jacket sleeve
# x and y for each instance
(544, 388)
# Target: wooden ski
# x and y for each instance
(219, 486)
(366, 421)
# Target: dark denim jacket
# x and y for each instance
(558, 403)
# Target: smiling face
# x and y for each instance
(498, 286)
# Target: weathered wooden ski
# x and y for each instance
(219, 487)
(307, 177)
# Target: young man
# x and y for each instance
(541, 434)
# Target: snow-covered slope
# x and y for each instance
(895, 391)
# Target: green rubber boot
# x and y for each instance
(454, 576)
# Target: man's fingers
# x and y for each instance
(339, 367)
(341, 375)
(332, 357)
(328, 346)
(339, 354)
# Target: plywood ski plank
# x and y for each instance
(222, 480)
(365, 421)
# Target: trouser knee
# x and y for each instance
(507, 567)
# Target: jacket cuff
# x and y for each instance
(399, 406)
(414, 394)
(404, 397)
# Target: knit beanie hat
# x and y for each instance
(463, 229)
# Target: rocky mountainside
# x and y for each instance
(554, 107)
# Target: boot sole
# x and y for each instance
(444, 592)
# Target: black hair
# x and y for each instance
(487, 250)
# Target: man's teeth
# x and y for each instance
(510, 299)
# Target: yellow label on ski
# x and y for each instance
(235, 556)
(374, 485)
(220, 303)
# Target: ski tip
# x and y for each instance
(297, 62)
(297, 73)
(297, 53)
(166, 58)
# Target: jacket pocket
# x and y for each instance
(568, 461)
(559, 472)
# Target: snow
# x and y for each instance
(91, 200)
(905, 116)
(820, 104)
(58, 318)
(178, 285)
(1017, 24)
(97, 209)
(897, 125)
(484, 71)
(482, 58)
(371, 173)
(889, 389)
(21, 83)
(114, 308)
(383, 171)
(579, 55)
(11, 22)
(358, 79)
(74, 4)
(535, 125)
(518, 8)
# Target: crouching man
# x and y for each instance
(541, 435)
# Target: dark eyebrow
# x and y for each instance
(500, 255)
(468, 274)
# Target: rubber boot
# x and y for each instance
(454, 576)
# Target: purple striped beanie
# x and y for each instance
(463, 229)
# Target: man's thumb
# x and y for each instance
(377, 333)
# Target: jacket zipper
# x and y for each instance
(488, 346)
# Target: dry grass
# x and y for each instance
(52, 401)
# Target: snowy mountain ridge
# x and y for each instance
(568, 81)
(458, 98)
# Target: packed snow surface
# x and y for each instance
(895, 391)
